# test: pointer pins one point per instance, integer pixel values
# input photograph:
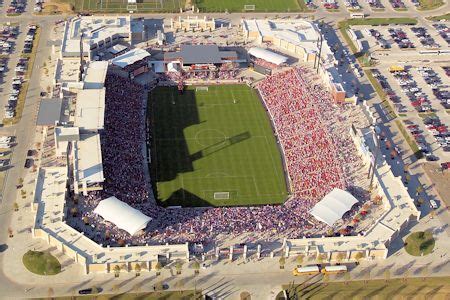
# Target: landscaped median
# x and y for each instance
(411, 142)
(441, 17)
(24, 88)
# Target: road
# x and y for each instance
(25, 131)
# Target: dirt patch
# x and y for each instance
(440, 180)
(54, 7)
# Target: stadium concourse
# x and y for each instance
(313, 133)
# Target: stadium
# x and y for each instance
(223, 147)
(201, 151)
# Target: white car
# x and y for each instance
(433, 204)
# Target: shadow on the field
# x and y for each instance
(168, 140)
(227, 142)
(185, 198)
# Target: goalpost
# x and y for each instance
(221, 195)
(249, 7)
(132, 7)
(201, 88)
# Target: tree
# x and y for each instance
(432, 214)
(420, 201)
(326, 278)
(20, 181)
(16, 206)
(86, 220)
(299, 260)
(419, 189)
(282, 262)
(158, 268)
(178, 266)
(10, 232)
(107, 235)
(358, 257)
(407, 178)
(340, 257)
(121, 242)
(116, 271)
(387, 275)
(388, 145)
(321, 257)
(405, 169)
(393, 154)
(196, 266)
(74, 211)
(137, 269)
(330, 232)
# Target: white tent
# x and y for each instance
(122, 215)
(130, 57)
(267, 55)
(333, 206)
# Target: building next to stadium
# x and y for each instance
(99, 33)
(201, 57)
(299, 38)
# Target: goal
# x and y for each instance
(132, 7)
(249, 7)
(201, 88)
(221, 195)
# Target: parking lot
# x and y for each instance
(15, 69)
(420, 96)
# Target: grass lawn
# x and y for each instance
(419, 243)
(430, 4)
(121, 5)
(441, 17)
(41, 263)
(204, 143)
(382, 21)
(412, 288)
(260, 5)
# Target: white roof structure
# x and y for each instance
(90, 109)
(89, 163)
(267, 55)
(116, 49)
(95, 75)
(122, 215)
(130, 57)
(96, 30)
(333, 206)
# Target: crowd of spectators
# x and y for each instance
(312, 132)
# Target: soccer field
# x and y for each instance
(213, 148)
(260, 5)
(123, 6)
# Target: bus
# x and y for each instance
(357, 16)
(334, 269)
(308, 270)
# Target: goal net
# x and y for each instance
(132, 7)
(221, 195)
(249, 7)
(201, 88)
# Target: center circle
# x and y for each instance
(209, 137)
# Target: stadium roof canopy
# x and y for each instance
(201, 54)
(95, 75)
(90, 109)
(333, 206)
(267, 55)
(130, 57)
(122, 215)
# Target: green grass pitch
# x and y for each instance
(260, 5)
(207, 142)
